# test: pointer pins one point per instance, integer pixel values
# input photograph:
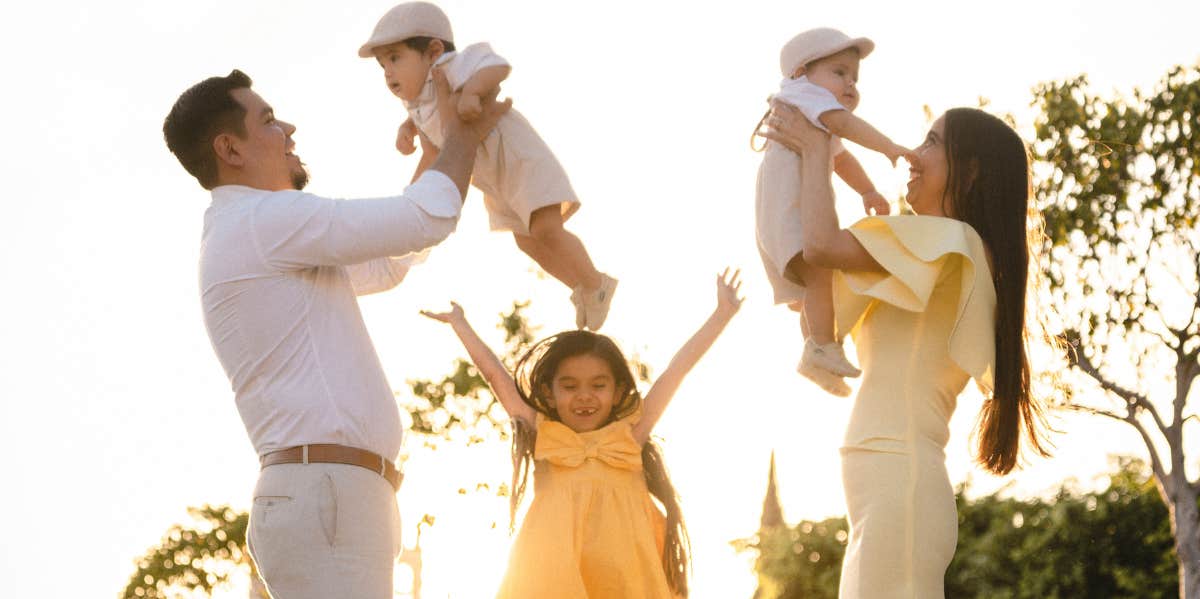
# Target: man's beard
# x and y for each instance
(300, 178)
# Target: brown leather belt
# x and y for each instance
(324, 453)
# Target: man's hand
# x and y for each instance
(469, 107)
(406, 137)
(448, 107)
(457, 156)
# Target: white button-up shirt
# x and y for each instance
(279, 272)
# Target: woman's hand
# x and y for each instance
(454, 315)
(788, 126)
(728, 286)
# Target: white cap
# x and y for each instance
(819, 43)
(411, 19)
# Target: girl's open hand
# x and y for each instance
(728, 287)
(454, 315)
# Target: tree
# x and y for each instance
(196, 559)
(1118, 181)
(1112, 543)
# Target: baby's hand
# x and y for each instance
(469, 107)
(728, 286)
(898, 151)
(873, 200)
(406, 137)
(454, 315)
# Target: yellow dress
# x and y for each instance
(923, 329)
(592, 530)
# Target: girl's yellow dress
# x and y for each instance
(592, 531)
(923, 329)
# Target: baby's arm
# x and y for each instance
(664, 388)
(483, 82)
(406, 137)
(429, 154)
(490, 366)
(844, 124)
(849, 170)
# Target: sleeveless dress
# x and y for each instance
(923, 329)
(593, 530)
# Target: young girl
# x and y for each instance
(820, 69)
(593, 530)
(525, 189)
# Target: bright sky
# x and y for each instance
(117, 415)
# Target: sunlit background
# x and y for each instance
(117, 415)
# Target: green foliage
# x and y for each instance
(1118, 182)
(1111, 543)
(193, 560)
(801, 562)
(1114, 543)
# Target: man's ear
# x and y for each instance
(225, 146)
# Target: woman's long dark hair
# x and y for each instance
(988, 187)
(534, 375)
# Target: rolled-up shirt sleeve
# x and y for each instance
(295, 230)
(382, 274)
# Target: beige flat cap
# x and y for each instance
(411, 19)
(819, 43)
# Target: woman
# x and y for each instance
(933, 300)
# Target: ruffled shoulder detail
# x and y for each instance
(917, 252)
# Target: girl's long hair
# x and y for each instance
(988, 187)
(534, 375)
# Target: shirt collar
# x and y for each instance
(226, 194)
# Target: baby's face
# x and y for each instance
(838, 73)
(404, 69)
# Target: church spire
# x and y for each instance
(772, 514)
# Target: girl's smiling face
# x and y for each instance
(583, 392)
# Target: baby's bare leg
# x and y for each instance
(558, 251)
(817, 318)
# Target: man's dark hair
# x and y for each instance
(201, 113)
(421, 43)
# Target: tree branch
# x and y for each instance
(1131, 418)
(1079, 360)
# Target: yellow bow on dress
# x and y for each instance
(614, 445)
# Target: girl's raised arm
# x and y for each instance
(664, 388)
(490, 366)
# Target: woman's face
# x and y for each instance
(927, 174)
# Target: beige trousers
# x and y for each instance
(324, 530)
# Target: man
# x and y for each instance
(279, 271)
